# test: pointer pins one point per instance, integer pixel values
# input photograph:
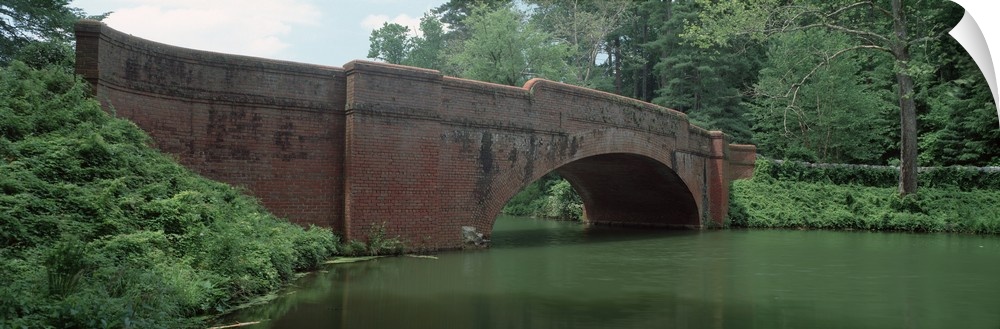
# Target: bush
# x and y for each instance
(780, 202)
(964, 178)
(562, 202)
(100, 230)
(549, 197)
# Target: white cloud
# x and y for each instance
(247, 27)
(374, 22)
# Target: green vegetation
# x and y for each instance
(911, 69)
(378, 244)
(795, 196)
(26, 22)
(963, 178)
(550, 197)
(510, 58)
(100, 230)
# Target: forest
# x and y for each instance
(854, 82)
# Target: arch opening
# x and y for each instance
(629, 190)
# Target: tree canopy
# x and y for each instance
(23, 22)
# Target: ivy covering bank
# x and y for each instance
(793, 195)
(97, 229)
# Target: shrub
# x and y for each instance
(767, 202)
(562, 202)
(964, 178)
(549, 197)
(100, 230)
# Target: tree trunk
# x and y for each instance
(645, 66)
(907, 108)
(618, 64)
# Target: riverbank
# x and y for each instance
(793, 195)
(99, 229)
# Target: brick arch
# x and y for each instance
(629, 161)
(621, 189)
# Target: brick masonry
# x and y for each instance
(421, 154)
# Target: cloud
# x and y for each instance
(374, 22)
(246, 27)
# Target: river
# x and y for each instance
(548, 274)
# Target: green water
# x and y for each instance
(545, 274)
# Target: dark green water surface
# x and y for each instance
(545, 274)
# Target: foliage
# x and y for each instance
(501, 48)
(23, 22)
(871, 27)
(455, 12)
(549, 197)
(101, 230)
(380, 244)
(705, 83)
(390, 43)
(957, 113)
(530, 201)
(962, 178)
(629, 60)
(41, 54)
(428, 48)
(840, 116)
(584, 26)
(562, 202)
(765, 203)
(793, 195)
(393, 44)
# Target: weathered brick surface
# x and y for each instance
(275, 128)
(741, 160)
(419, 153)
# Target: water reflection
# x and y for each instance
(542, 274)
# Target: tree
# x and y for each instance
(630, 56)
(957, 111)
(842, 116)
(503, 48)
(25, 21)
(390, 43)
(705, 83)
(428, 48)
(872, 26)
(455, 12)
(584, 25)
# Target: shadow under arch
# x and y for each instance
(630, 189)
(626, 189)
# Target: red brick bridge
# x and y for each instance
(373, 144)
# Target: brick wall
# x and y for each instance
(275, 128)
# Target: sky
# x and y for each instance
(335, 32)
(325, 32)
